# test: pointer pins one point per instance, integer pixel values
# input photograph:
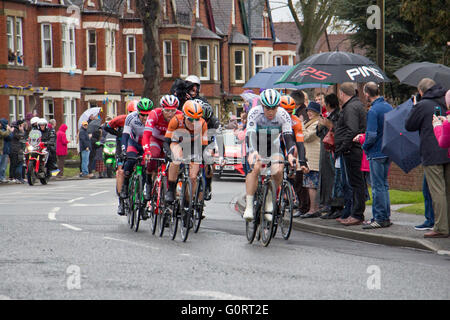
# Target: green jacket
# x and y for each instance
(3, 135)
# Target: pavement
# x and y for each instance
(400, 234)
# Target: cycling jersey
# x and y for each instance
(134, 127)
(257, 123)
(178, 123)
(155, 128)
(297, 127)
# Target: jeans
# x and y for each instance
(85, 162)
(347, 191)
(381, 207)
(429, 212)
(3, 165)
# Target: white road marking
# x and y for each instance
(130, 242)
(215, 295)
(93, 204)
(97, 193)
(71, 227)
(51, 214)
(73, 200)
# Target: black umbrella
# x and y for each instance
(94, 125)
(402, 147)
(412, 73)
(334, 67)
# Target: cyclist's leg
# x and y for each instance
(177, 153)
(128, 166)
(193, 171)
(251, 184)
(209, 172)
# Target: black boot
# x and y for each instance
(170, 195)
(208, 189)
(120, 209)
(124, 191)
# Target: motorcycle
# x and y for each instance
(109, 156)
(35, 153)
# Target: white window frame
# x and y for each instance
(70, 119)
(260, 66)
(280, 58)
(112, 109)
(131, 55)
(64, 45)
(204, 61)
(49, 114)
(241, 65)
(14, 37)
(18, 108)
(216, 62)
(19, 37)
(89, 45)
(167, 58)
(72, 46)
(110, 44)
(184, 59)
(43, 45)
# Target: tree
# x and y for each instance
(403, 45)
(317, 15)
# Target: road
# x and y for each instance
(65, 241)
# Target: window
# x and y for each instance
(92, 49)
(184, 70)
(16, 108)
(73, 62)
(14, 40)
(47, 56)
(215, 62)
(131, 54)
(216, 110)
(68, 46)
(167, 48)
(239, 72)
(259, 62)
(70, 119)
(49, 109)
(203, 55)
(110, 50)
(112, 109)
(278, 61)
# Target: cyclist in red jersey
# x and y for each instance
(154, 134)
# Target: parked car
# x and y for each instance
(232, 156)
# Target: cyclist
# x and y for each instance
(189, 124)
(131, 141)
(288, 104)
(213, 126)
(154, 134)
(115, 127)
(267, 120)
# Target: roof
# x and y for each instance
(287, 32)
(238, 38)
(200, 32)
(222, 14)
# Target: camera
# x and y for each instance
(437, 111)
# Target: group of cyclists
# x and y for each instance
(186, 125)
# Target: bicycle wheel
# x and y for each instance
(173, 222)
(130, 202)
(266, 226)
(138, 201)
(252, 226)
(152, 208)
(286, 209)
(164, 214)
(185, 205)
(199, 204)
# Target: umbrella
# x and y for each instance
(402, 147)
(267, 78)
(412, 73)
(94, 125)
(85, 116)
(334, 67)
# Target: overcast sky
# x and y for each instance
(280, 11)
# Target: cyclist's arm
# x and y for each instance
(110, 130)
(148, 132)
(251, 135)
(301, 153)
(126, 132)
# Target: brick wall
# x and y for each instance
(411, 181)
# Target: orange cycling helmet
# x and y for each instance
(287, 103)
(192, 109)
(132, 106)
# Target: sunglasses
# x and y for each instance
(169, 110)
(143, 115)
(192, 119)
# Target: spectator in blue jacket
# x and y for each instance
(378, 161)
(85, 149)
(5, 133)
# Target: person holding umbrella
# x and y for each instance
(436, 163)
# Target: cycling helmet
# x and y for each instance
(34, 121)
(193, 79)
(207, 111)
(169, 102)
(145, 106)
(270, 98)
(287, 103)
(192, 109)
(132, 105)
(42, 122)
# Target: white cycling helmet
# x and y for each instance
(42, 122)
(34, 120)
(270, 98)
(193, 79)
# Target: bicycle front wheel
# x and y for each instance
(138, 204)
(266, 225)
(286, 210)
(199, 204)
(164, 214)
(185, 205)
(153, 208)
(130, 204)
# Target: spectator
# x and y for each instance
(320, 99)
(327, 204)
(352, 120)
(312, 149)
(441, 126)
(61, 148)
(17, 148)
(302, 193)
(5, 131)
(378, 162)
(428, 204)
(232, 123)
(85, 147)
(435, 161)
